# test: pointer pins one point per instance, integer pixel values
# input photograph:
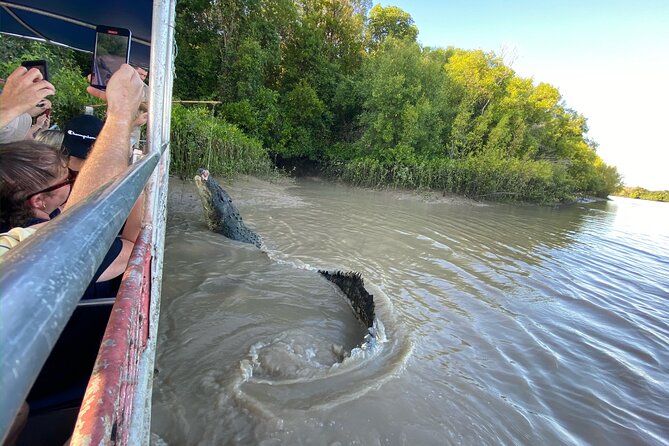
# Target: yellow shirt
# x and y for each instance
(13, 237)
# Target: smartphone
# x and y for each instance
(41, 65)
(112, 49)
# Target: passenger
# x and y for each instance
(28, 189)
(22, 93)
(80, 134)
(34, 179)
(39, 118)
(53, 138)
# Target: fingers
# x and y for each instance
(43, 121)
(23, 90)
(35, 77)
(32, 80)
(142, 73)
(40, 108)
(97, 93)
(141, 119)
(100, 94)
(17, 73)
(124, 91)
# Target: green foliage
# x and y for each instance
(347, 86)
(199, 139)
(336, 82)
(643, 194)
(475, 177)
(404, 103)
(304, 126)
(65, 74)
(390, 22)
(259, 116)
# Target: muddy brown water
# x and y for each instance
(500, 324)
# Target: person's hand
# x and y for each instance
(40, 108)
(141, 119)
(100, 94)
(41, 124)
(143, 74)
(123, 94)
(23, 89)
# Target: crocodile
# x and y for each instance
(223, 217)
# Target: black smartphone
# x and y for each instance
(112, 49)
(41, 65)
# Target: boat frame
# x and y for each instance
(44, 277)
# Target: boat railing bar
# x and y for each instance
(176, 101)
(96, 302)
(44, 277)
(163, 55)
(108, 404)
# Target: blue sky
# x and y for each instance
(609, 59)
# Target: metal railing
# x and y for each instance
(44, 277)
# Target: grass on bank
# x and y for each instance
(199, 139)
(476, 177)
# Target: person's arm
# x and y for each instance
(119, 264)
(22, 91)
(109, 155)
(134, 222)
(130, 232)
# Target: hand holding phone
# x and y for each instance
(22, 91)
(42, 108)
(112, 49)
(41, 65)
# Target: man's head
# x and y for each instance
(80, 134)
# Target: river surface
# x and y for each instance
(498, 324)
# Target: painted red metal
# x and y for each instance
(107, 406)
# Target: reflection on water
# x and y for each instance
(504, 324)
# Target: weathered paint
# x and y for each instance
(107, 404)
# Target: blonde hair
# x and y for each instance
(54, 138)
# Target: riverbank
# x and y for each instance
(643, 194)
(183, 197)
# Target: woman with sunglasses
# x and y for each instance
(34, 183)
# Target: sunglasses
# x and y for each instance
(71, 176)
